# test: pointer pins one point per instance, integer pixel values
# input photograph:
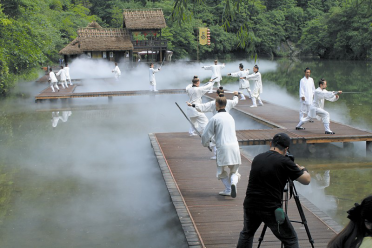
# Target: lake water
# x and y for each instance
(82, 173)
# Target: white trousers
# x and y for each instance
(63, 82)
(228, 178)
(304, 109)
(199, 122)
(248, 90)
(69, 80)
(319, 112)
(55, 85)
(153, 87)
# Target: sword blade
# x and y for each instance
(187, 118)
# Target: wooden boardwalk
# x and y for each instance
(211, 220)
(283, 119)
(47, 94)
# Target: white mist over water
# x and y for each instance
(171, 76)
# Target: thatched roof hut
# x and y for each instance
(96, 38)
(144, 19)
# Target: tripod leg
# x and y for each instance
(303, 219)
(302, 214)
(262, 236)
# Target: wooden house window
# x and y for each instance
(104, 55)
(111, 54)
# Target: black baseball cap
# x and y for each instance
(282, 139)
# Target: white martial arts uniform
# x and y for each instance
(256, 77)
(117, 72)
(243, 83)
(67, 72)
(152, 72)
(211, 107)
(53, 81)
(216, 72)
(317, 107)
(199, 120)
(62, 77)
(307, 89)
(222, 126)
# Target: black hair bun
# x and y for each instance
(221, 95)
(241, 65)
(221, 88)
(195, 76)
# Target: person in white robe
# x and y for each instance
(195, 93)
(116, 71)
(216, 72)
(67, 72)
(222, 127)
(307, 89)
(317, 107)
(53, 79)
(152, 79)
(257, 91)
(211, 107)
(243, 83)
(62, 77)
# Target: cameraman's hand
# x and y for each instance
(301, 167)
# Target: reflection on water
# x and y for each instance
(56, 117)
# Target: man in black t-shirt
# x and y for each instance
(269, 174)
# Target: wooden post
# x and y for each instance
(161, 55)
(368, 148)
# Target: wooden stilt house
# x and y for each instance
(140, 36)
(145, 28)
(97, 42)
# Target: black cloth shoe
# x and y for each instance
(311, 121)
(326, 132)
(233, 190)
(300, 128)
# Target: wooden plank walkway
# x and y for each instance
(283, 119)
(48, 94)
(211, 220)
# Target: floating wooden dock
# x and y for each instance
(211, 220)
(47, 94)
(282, 119)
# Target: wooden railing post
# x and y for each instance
(368, 148)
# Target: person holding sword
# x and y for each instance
(195, 93)
(152, 72)
(317, 107)
(243, 83)
(216, 72)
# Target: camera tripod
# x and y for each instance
(292, 191)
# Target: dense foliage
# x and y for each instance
(32, 32)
